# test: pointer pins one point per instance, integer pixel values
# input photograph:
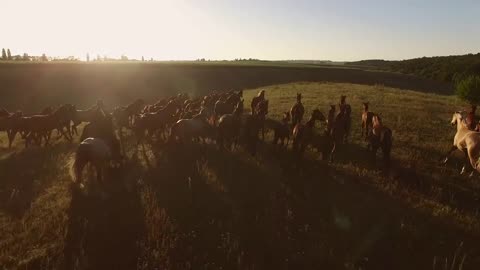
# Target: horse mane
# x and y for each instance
(377, 121)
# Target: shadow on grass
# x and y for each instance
(26, 173)
(233, 211)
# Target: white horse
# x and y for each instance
(466, 141)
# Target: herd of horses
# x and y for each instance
(218, 117)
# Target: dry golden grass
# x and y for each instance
(195, 207)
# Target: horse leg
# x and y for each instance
(445, 159)
(332, 153)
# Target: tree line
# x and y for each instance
(7, 56)
(440, 68)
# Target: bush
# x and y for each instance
(468, 89)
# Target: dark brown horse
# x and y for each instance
(380, 137)
(259, 98)
(303, 133)
(330, 119)
(471, 118)
(38, 127)
(281, 129)
(260, 112)
(347, 111)
(229, 125)
(99, 146)
(226, 105)
(367, 118)
(297, 111)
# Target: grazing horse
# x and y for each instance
(229, 125)
(303, 133)
(259, 98)
(367, 120)
(466, 141)
(347, 115)
(297, 111)
(471, 118)
(380, 137)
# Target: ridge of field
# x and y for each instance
(193, 206)
(33, 86)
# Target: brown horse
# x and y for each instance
(259, 98)
(84, 116)
(281, 129)
(226, 105)
(229, 126)
(330, 119)
(380, 137)
(260, 112)
(38, 127)
(339, 131)
(471, 118)
(297, 111)
(347, 116)
(367, 120)
(153, 122)
(303, 133)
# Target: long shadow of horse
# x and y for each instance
(247, 212)
(26, 173)
(103, 231)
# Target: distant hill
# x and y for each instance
(441, 68)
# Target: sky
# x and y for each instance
(338, 30)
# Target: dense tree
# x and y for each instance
(468, 89)
(9, 55)
(88, 57)
(44, 58)
(143, 59)
(25, 57)
(443, 68)
(4, 54)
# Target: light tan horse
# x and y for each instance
(466, 141)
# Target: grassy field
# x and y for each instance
(31, 87)
(195, 207)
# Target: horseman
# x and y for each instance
(297, 111)
(471, 118)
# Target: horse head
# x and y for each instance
(456, 118)
(365, 105)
